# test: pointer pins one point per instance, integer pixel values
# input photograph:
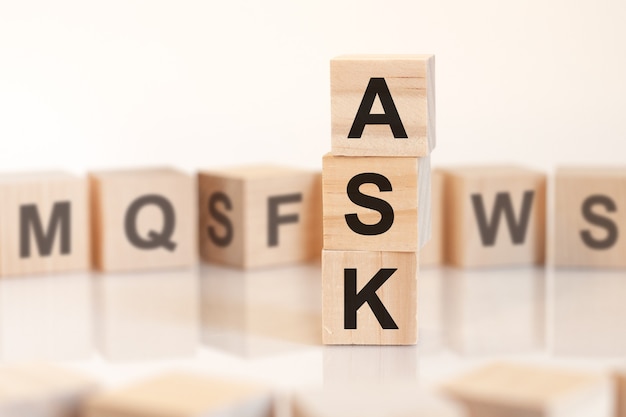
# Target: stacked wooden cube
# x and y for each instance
(376, 186)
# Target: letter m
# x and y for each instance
(30, 220)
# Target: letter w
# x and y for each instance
(489, 229)
(60, 219)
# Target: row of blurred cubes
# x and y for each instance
(497, 389)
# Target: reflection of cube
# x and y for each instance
(261, 312)
(47, 319)
(371, 364)
(182, 395)
(369, 298)
(372, 400)
(494, 312)
(512, 390)
(432, 253)
(383, 105)
(589, 303)
(143, 219)
(375, 204)
(494, 216)
(258, 216)
(134, 326)
(44, 224)
(588, 203)
(43, 390)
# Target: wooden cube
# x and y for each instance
(432, 253)
(375, 203)
(43, 390)
(383, 105)
(44, 223)
(513, 390)
(182, 395)
(494, 216)
(619, 380)
(369, 298)
(257, 216)
(372, 400)
(588, 224)
(142, 219)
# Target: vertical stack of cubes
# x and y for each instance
(376, 192)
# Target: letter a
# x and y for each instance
(377, 87)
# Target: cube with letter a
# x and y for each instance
(260, 215)
(369, 298)
(44, 223)
(383, 105)
(143, 219)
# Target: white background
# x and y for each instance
(196, 84)
(87, 85)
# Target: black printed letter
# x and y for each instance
(275, 219)
(60, 219)
(161, 239)
(377, 87)
(489, 230)
(381, 206)
(353, 300)
(221, 218)
(593, 218)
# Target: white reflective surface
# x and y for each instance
(370, 364)
(46, 317)
(264, 312)
(588, 311)
(147, 315)
(494, 311)
(265, 325)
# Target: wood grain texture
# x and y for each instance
(44, 191)
(372, 400)
(464, 245)
(112, 195)
(251, 199)
(407, 182)
(182, 395)
(619, 381)
(411, 83)
(398, 294)
(432, 253)
(574, 186)
(38, 389)
(518, 390)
